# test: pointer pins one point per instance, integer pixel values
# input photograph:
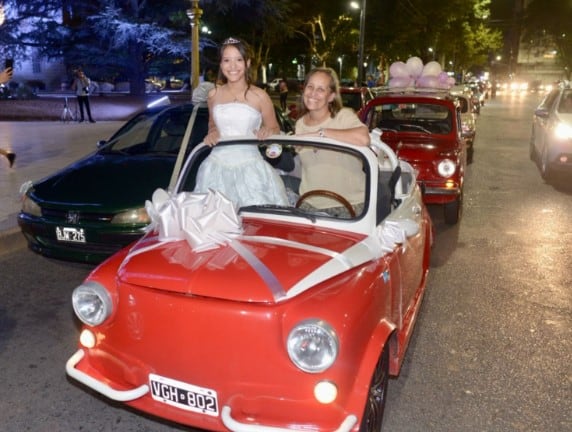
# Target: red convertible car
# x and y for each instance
(424, 128)
(263, 317)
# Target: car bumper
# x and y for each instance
(139, 397)
(441, 194)
(101, 242)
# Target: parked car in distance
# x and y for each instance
(468, 122)
(355, 97)
(424, 128)
(551, 138)
(264, 317)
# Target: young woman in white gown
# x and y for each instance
(239, 109)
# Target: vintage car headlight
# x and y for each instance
(313, 345)
(563, 131)
(92, 303)
(446, 168)
(136, 216)
(29, 206)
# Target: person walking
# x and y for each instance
(81, 84)
(5, 76)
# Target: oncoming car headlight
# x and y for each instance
(446, 168)
(92, 303)
(136, 216)
(563, 131)
(313, 345)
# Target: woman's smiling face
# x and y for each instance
(318, 92)
(232, 64)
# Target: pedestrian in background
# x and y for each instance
(283, 89)
(5, 76)
(81, 84)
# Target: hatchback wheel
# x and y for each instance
(452, 212)
(377, 394)
(544, 165)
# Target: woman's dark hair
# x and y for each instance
(336, 104)
(246, 53)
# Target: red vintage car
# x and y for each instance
(424, 128)
(263, 317)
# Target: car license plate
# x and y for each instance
(183, 395)
(73, 235)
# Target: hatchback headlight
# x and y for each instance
(92, 303)
(563, 131)
(132, 217)
(29, 206)
(313, 346)
(446, 168)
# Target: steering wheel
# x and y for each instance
(328, 194)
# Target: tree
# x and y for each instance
(550, 21)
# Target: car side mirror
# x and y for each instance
(100, 143)
(541, 112)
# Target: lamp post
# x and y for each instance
(194, 14)
(340, 61)
(361, 39)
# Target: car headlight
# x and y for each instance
(446, 168)
(563, 131)
(313, 345)
(29, 206)
(131, 217)
(92, 303)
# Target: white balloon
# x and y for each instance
(398, 69)
(414, 66)
(431, 68)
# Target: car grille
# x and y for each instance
(75, 217)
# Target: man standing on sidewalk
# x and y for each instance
(5, 76)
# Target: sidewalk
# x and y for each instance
(41, 148)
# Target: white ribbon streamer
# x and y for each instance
(392, 233)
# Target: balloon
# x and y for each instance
(427, 81)
(431, 68)
(451, 81)
(414, 66)
(400, 82)
(398, 69)
(443, 77)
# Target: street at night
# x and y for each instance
(491, 350)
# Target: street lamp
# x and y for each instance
(194, 14)
(361, 38)
(340, 61)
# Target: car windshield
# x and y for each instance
(158, 132)
(420, 117)
(286, 177)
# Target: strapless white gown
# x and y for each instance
(239, 171)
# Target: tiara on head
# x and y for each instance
(230, 40)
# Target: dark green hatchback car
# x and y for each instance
(96, 206)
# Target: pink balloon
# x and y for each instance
(431, 68)
(400, 82)
(414, 66)
(398, 69)
(443, 77)
(427, 81)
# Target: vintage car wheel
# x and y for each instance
(532, 150)
(328, 194)
(377, 395)
(452, 212)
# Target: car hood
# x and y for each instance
(422, 149)
(105, 181)
(267, 263)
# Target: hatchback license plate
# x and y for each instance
(183, 395)
(73, 235)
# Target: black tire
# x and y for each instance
(452, 212)
(532, 150)
(470, 152)
(377, 395)
(545, 166)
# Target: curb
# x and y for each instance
(11, 240)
